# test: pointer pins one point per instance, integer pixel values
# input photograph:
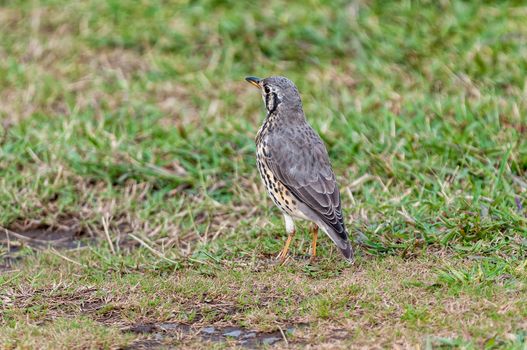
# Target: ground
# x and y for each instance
(132, 215)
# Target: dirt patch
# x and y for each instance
(41, 238)
(162, 332)
(11, 243)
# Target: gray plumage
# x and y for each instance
(295, 165)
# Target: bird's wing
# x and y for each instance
(298, 158)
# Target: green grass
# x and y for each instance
(130, 123)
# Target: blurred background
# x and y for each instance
(137, 112)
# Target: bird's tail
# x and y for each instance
(343, 243)
(347, 251)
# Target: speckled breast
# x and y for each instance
(280, 195)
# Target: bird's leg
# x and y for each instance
(283, 253)
(290, 229)
(314, 232)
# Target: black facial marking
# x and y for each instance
(271, 99)
(272, 102)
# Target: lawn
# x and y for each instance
(132, 215)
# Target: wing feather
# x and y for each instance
(303, 166)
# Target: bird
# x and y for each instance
(295, 167)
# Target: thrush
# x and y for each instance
(295, 168)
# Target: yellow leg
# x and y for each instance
(283, 254)
(314, 232)
(290, 229)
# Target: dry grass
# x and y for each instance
(379, 302)
(130, 125)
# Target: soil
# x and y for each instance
(12, 242)
(162, 332)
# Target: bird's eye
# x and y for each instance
(266, 89)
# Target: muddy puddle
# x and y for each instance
(161, 333)
(11, 243)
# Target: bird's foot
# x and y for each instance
(282, 257)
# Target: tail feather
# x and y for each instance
(343, 244)
(347, 251)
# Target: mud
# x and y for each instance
(11, 243)
(162, 332)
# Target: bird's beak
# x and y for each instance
(255, 81)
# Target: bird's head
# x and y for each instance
(278, 93)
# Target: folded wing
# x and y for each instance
(302, 165)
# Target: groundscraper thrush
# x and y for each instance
(294, 165)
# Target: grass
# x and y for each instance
(130, 124)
